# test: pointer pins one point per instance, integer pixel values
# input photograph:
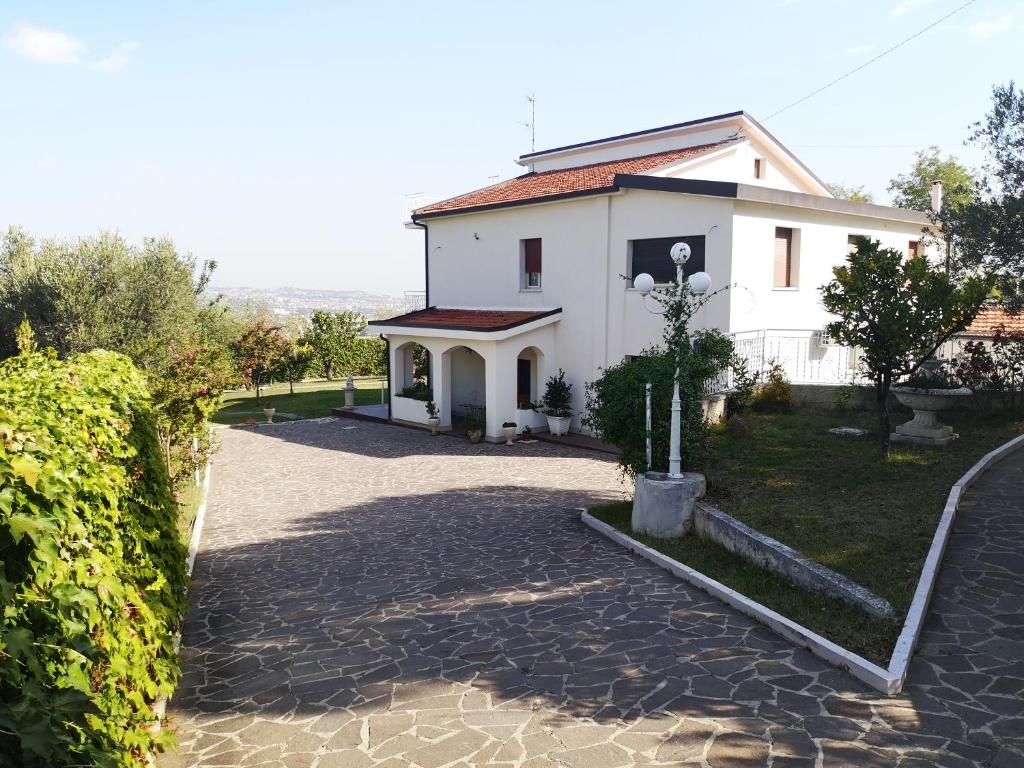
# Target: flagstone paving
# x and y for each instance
(366, 595)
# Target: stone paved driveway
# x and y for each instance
(369, 596)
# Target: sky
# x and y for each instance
(289, 140)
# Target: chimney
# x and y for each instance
(937, 196)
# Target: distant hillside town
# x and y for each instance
(304, 301)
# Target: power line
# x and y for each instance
(871, 61)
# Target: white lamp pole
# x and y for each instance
(698, 284)
(680, 255)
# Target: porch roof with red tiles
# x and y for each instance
(563, 182)
(484, 320)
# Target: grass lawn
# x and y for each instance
(187, 508)
(312, 399)
(837, 501)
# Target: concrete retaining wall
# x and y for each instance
(753, 546)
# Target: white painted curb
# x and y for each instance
(160, 705)
(908, 638)
(197, 526)
(889, 681)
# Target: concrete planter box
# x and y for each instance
(407, 409)
(925, 428)
(533, 419)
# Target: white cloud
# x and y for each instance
(46, 45)
(984, 30)
(117, 59)
(52, 46)
(906, 6)
(859, 50)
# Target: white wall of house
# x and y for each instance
(639, 214)
(736, 163)
(820, 244)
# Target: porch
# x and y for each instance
(473, 364)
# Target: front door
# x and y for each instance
(523, 379)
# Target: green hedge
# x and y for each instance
(92, 572)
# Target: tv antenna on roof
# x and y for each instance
(532, 125)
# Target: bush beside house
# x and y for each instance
(92, 571)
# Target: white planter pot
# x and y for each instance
(533, 419)
(432, 423)
(558, 425)
(925, 428)
(510, 432)
(269, 413)
(407, 409)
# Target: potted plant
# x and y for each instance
(927, 391)
(474, 423)
(527, 433)
(269, 413)
(432, 417)
(509, 428)
(557, 402)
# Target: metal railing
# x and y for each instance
(806, 357)
(414, 300)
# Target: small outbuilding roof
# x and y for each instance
(481, 320)
(991, 319)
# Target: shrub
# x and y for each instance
(365, 357)
(843, 399)
(92, 572)
(776, 394)
(616, 403)
(418, 390)
(744, 384)
(558, 395)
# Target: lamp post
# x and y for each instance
(698, 284)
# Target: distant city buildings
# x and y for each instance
(304, 301)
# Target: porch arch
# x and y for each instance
(529, 367)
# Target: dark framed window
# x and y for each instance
(532, 262)
(912, 248)
(652, 255)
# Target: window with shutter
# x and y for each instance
(912, 248)
(532, 262)
(784, 271)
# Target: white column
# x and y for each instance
(441, 379)
(501, 385)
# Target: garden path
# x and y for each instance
(366, 595)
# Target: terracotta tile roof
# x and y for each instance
(992, 318)
(466, 319)
(585, 178)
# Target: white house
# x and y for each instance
(534, 274)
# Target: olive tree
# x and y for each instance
(898, 312)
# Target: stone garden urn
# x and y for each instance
(925, 428)
(269, 413)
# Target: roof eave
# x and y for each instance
(468, 333)
(515, 203)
